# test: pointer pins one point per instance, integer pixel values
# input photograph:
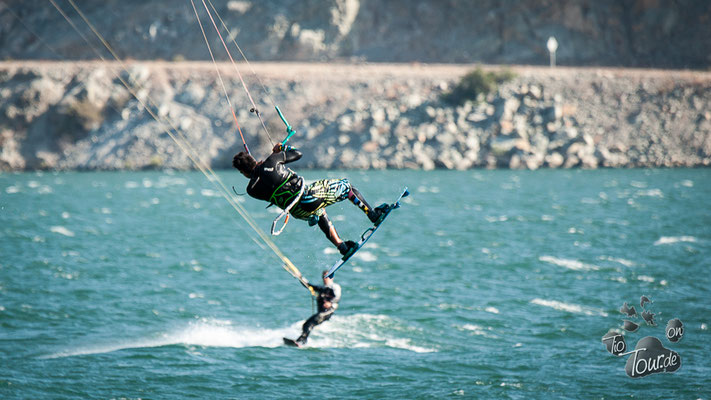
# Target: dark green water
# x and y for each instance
(486, 284)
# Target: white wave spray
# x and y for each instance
(353, 331)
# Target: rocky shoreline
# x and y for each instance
(80, 116)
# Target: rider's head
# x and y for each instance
(245, 163)
(326, 279)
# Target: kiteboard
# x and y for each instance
(291, 342)
(366, 235)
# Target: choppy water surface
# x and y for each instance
(485, 284)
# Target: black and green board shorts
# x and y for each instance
(319, 195)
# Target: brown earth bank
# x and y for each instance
(110, 116)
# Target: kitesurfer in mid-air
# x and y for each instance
(327, 297)
(270, 180)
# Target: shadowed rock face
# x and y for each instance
(637, 33)
(80, 116)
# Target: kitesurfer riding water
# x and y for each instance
(327, 297)
(270, 180)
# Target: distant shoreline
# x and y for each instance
(286, 69)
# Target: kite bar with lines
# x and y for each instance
(254, 109)
(289, 130)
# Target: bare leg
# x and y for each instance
(329, 230)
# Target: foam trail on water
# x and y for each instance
(570, 264)
(206, 334)
(478, 330)
(353, 331)
(674, 239)
(61, 230)
(626, 263)
(364, 331)
(572, 308)
(226, 336)
(366, 256)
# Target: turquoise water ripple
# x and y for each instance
(486, 284)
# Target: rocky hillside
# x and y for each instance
(631, 33)
(81, 116)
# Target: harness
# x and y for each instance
(285, 211)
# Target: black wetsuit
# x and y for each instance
(331, 293)
(273, 182)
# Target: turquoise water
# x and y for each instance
(485, 284)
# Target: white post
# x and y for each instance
(552, 47)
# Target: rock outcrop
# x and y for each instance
(81, 116)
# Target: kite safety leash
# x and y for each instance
(286, 211)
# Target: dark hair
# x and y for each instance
(244, 162)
